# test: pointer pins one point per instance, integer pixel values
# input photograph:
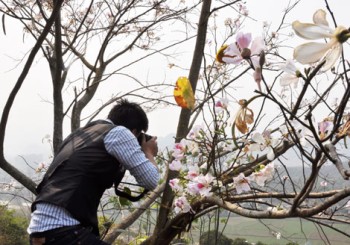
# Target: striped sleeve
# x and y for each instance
(123, 145)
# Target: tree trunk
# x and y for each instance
(160, 236)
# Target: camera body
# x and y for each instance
(147, 137)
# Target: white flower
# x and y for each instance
(291, 76)
(312, 52)
(295, 128)
(241, 183)
(263, 174)
(196, 132)
(264, 142)
(192, 147)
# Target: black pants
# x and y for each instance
(69, 235)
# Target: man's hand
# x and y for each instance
(150, 148)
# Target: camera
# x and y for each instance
(147, 137)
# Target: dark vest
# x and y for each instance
(80, 173)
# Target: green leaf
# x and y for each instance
(123, 201)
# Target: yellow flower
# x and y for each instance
(312, 52)
(183, 93)
(244, 116)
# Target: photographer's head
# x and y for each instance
(129, 115)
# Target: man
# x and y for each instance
(89, 161)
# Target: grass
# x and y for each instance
(297, 230)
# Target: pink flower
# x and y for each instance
(257, 75)
(182, 205)
(200, 185)
(175, 165)
(175, 185)
(241, 183)
(40, 167)
(221, 104)
(179, 151)
(193, 172)
(236, 52)
(243, 10)
(323, 183)
(324, 129)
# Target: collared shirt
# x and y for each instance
(123, 145)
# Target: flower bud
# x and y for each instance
(343, 34)
(262, 58)
(246, 53)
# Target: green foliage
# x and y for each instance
(292, 243)
(114, 200)
(123, 201)
(138, 240)
(104, 224)
(223, 220)
(12, 228)
(209, 238)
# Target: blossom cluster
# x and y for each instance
(196, 179)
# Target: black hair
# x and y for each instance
(129, 115)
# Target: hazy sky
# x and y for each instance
(31, 117)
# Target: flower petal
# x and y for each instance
(183, 93)
(319, 17)
(258, 45)
(270, 154)
(243, 39)
(289, 67)
(258, 138)
(311, 31)
(332, 56)
(310, 52)
(232, 60)
(232, 55)
(288, 79)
